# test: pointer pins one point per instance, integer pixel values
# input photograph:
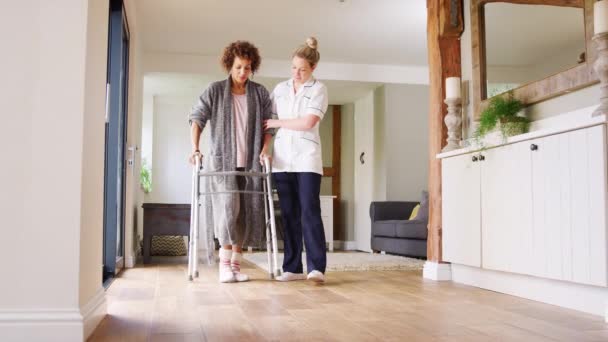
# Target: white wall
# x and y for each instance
(147, 138)
(380, 139)
(346, 232)
(92, 295)
(363, 173)
(326, 134)
(171, 173)
(400, 142)
(134, 131)
(147, 126)
(406, 145)
(54, 91)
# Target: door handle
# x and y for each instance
(361, 158)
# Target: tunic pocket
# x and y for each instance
(309, 144)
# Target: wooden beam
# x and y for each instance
(451, 20)
(444, 61)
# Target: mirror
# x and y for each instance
(526, 43)
(535, 49)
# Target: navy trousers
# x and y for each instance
(301, 216)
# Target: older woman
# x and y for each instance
(301, 103)
(235, 109)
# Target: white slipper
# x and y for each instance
(316, 276)
(288, 276)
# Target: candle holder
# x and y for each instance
(453, 121)
(601, 68)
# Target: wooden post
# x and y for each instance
(444, 28)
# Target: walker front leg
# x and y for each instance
(194, 209)
(196, 220)
(268, 238)
(273, 229)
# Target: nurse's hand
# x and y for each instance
(264, 155)
(272, 123)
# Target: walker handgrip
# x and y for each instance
(197, 161)
(267, 165)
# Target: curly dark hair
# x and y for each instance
(242, 49)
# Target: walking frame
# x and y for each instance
(271, 234)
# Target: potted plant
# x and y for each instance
(502, 113)
(145, 177)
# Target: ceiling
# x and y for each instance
(391, 32)
(172, 84)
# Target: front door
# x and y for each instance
(116, 137)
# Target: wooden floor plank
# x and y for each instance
(157, 303)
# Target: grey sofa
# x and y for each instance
(393, 233)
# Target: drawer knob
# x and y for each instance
(474, 158)
(533, 147)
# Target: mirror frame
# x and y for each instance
(577, 77)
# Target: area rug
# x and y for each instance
(349, 261)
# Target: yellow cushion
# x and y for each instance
(414, 211)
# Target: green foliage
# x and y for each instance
(145, 177)
(503, 109)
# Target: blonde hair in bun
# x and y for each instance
(312, 42)
(309, 51)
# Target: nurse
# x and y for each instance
(300, 103)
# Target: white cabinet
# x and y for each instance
(506, 212)
(461, 210)
(536, 207)
(327, 215)
(569, 205)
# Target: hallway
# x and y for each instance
(156, 303)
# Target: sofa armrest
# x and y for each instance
(391, 210)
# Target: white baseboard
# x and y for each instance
(93, 312)
(345, 245)
(53, 325)
(130, 261)
(585, 298)
(41, 325)
(437, 271)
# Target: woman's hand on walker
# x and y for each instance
(272, 123)
(192, 159)
(264, 155)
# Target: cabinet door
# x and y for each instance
(506, 214)
(460, 210)
(569, 205)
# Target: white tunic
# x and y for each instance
(298, 151)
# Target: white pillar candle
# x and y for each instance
(452, 87)
(600, 16)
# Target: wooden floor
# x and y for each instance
(156, 303)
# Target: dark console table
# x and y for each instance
(164, 219)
